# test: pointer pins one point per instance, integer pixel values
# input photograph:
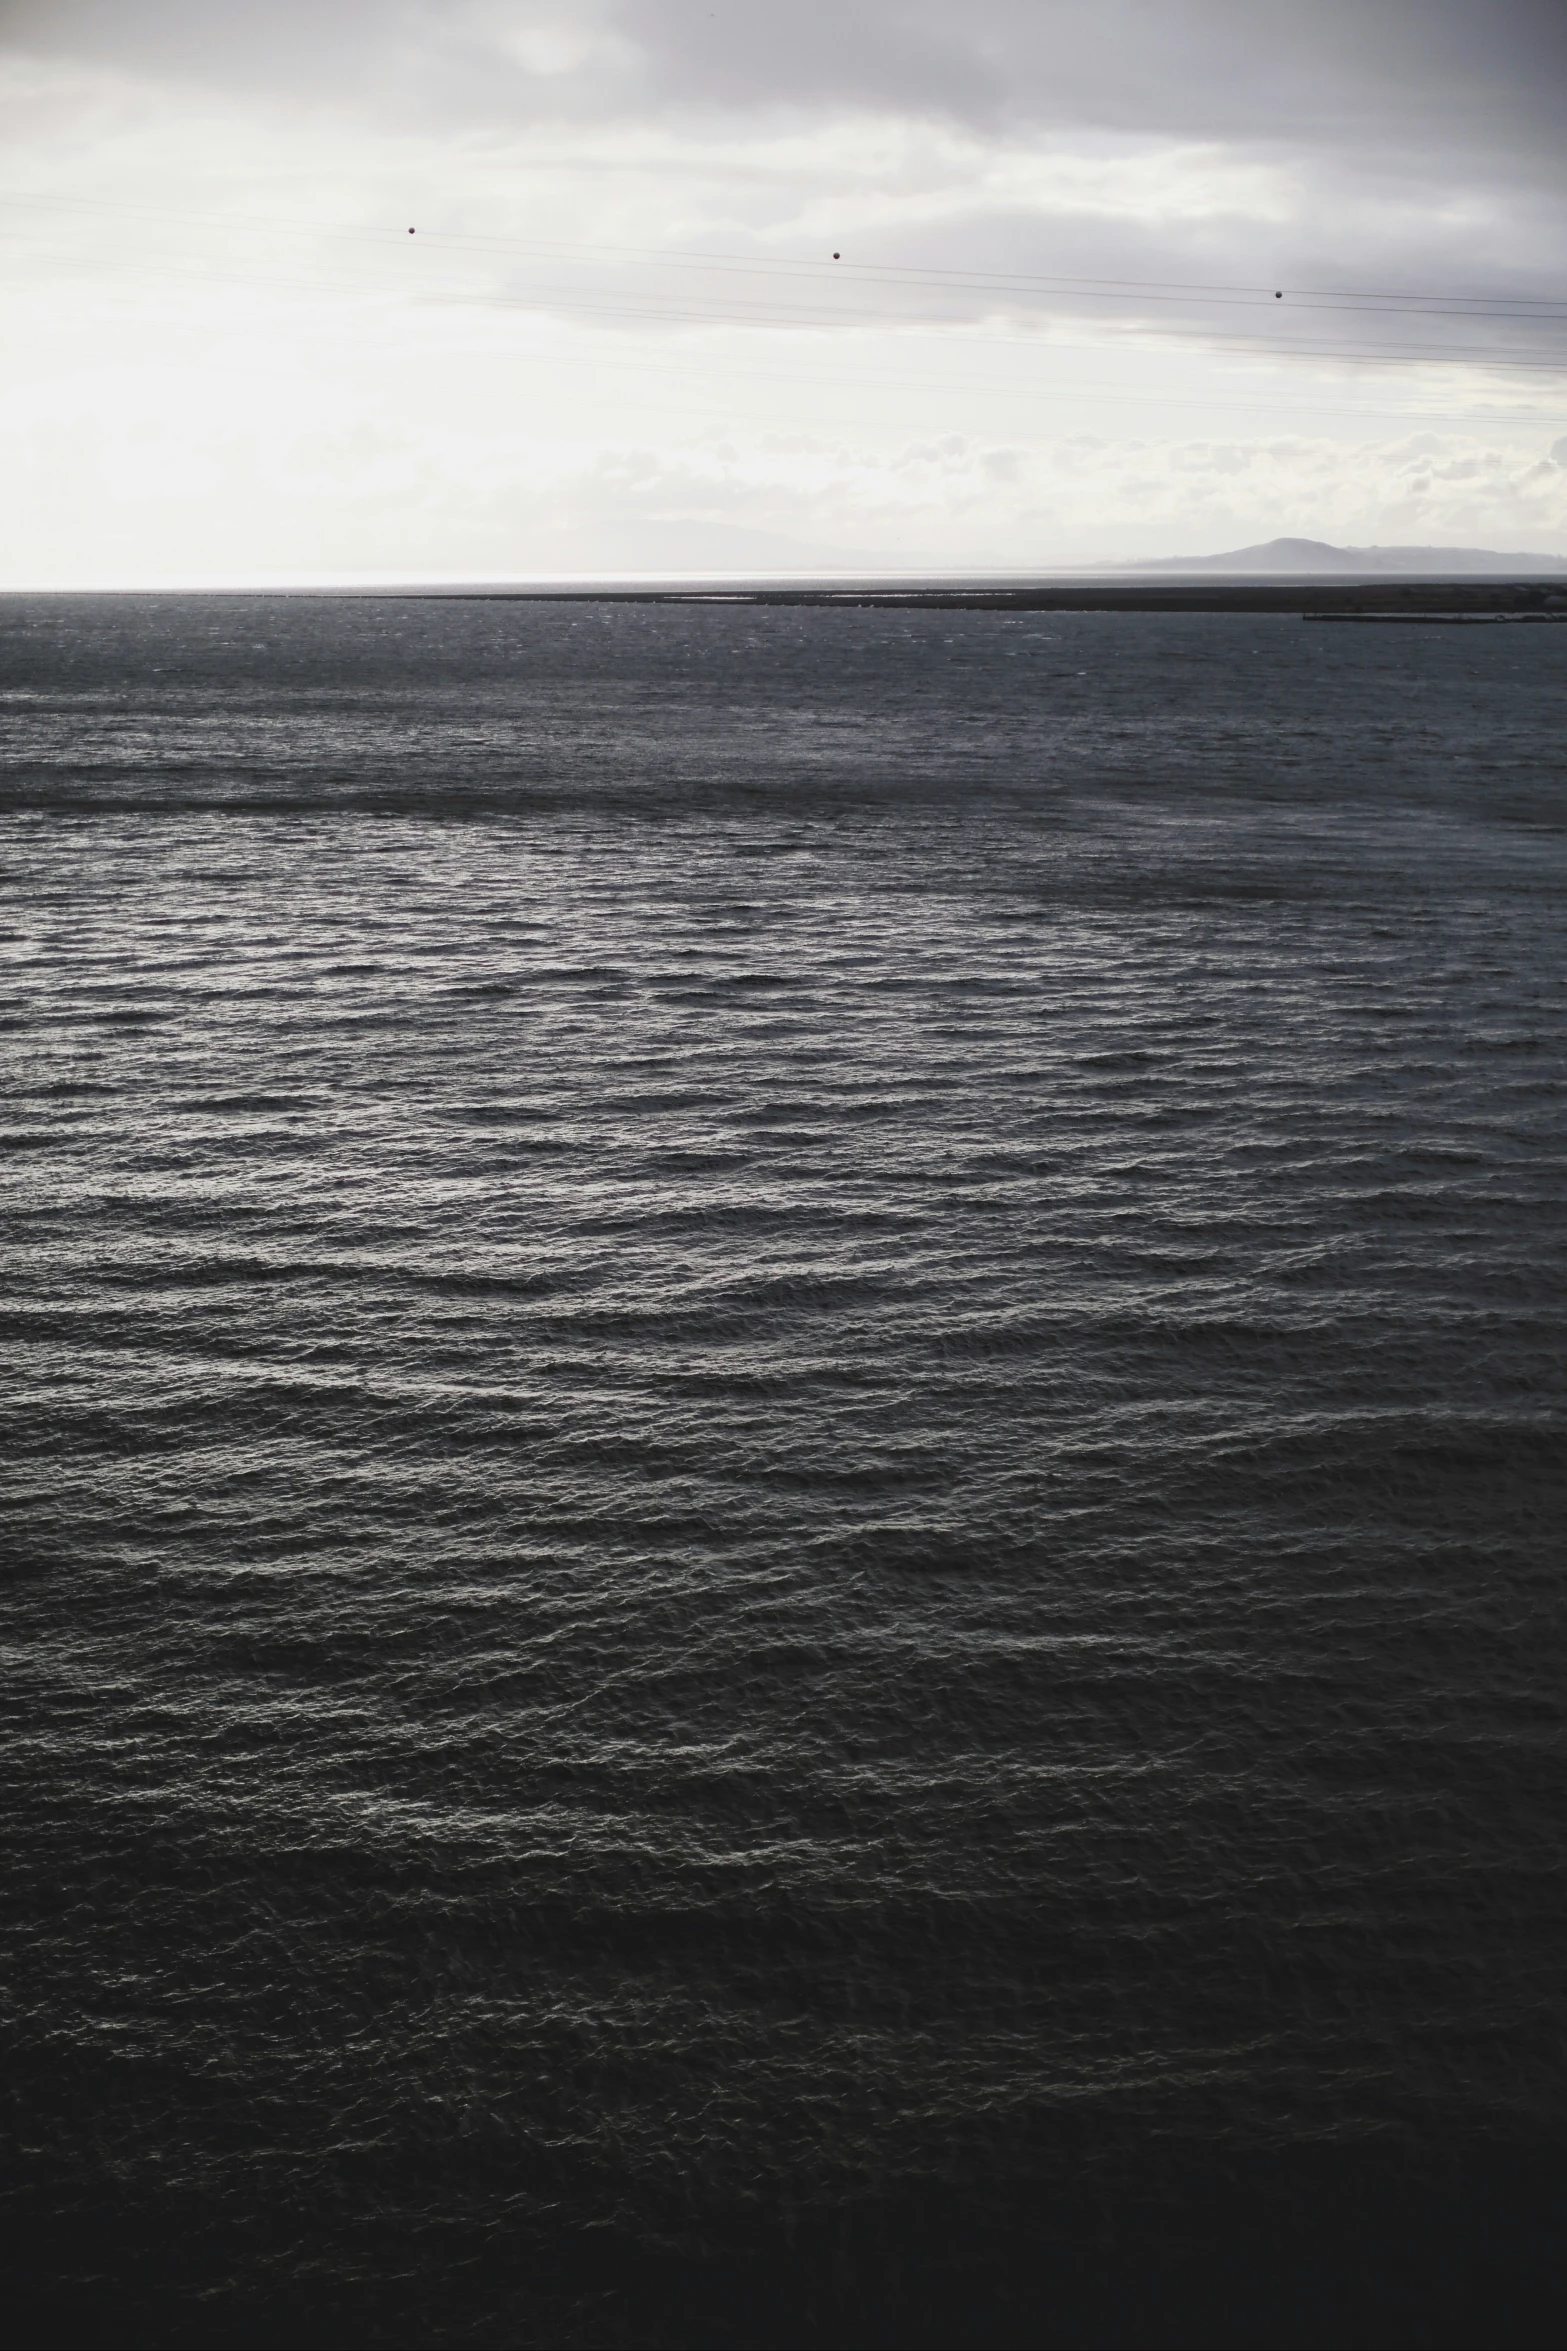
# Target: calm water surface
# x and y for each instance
(784, 1461)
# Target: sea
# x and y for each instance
(783, 1475)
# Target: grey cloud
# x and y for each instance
(1400, 73)
(298, 45)
(1469, 78)
(1423, 135)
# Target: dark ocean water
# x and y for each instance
(784, 1466)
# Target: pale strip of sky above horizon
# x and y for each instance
(619, 340)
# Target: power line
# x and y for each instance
(793, 318)
(1531, 309)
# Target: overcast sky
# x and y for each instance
(619, 339)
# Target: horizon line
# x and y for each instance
(851, 578)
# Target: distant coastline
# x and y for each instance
(1309, 577)
(1311, 598)
(1306, 577)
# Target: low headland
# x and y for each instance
(1292, 576)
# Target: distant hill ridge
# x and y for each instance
(1316, 555)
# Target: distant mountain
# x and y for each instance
(1294, 556)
